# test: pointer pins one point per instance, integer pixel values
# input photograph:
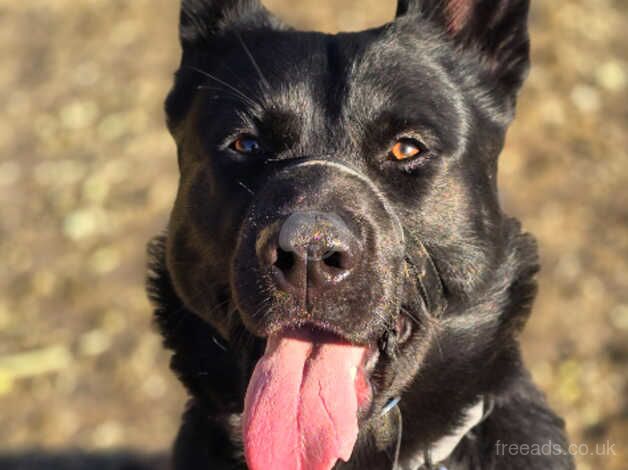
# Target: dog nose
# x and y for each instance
(312, 250)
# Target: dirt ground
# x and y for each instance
(88, 173)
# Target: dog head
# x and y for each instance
(341, 189)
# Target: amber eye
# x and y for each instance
(406, 148)
(246, 144)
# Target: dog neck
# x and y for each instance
(442, 449)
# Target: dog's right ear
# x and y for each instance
(201, 20)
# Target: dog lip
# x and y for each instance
(317, 328)
(371, 359)
(315, 331)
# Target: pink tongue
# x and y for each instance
(300, 410)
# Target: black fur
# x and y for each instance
(446, 280)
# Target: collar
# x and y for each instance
(440, 450)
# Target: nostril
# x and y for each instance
(334, 260)
(308, 250)
(285, 260)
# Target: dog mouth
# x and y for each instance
(327, 370)
(305, 399)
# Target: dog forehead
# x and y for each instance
(391, 71)
(302, 66)
(357, 74)
(379, 62)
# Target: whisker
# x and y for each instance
(253, 61)
(218, 343)
(410, 315)
(264, 304)
(224, 93)
(399, 436)
(246, 187)
(247, 99)
(215, 308)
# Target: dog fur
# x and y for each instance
(449, 281)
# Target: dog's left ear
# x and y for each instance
(497, 30)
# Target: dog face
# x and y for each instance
(346, 185)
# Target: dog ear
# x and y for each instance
(496, 29)
(201, 23)
(201, 20)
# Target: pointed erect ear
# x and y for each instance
(201, 20)
(497, 30)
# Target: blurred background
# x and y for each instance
(88, 173)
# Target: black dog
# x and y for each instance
(338, 282)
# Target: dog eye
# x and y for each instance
(246, 144)
(406, 148)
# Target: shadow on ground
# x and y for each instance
(77, 460)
